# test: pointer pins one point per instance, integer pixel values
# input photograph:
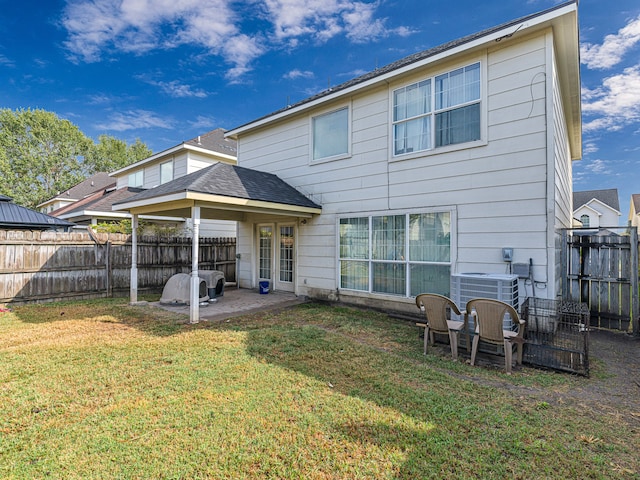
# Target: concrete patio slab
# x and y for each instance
(238, 301)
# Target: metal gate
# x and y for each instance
(602, 271)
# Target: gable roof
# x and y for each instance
(562, 18)
(90, 185)
(99, 202)
(14, 216)
(224, 180)
(635, 199)
(213, 143)
(607, 196)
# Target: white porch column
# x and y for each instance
(194, 304)
(133, 289)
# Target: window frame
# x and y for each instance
(135, 175)
(169, 162)
(313, 118)
(369, 264)
(433, 112)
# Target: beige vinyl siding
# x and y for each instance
(497, 190)
(563, 191)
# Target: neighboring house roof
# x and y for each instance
(226, 180)
(608, 196)
(14, 216)
(94, 183)
(569, 68)
(635, 199)
(213, 142)
(96, 204)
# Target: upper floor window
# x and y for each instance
(330, 134)
(584, 219)
(436, 112)
(166, 171)
(136, 179)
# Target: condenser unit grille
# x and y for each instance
(465, 286)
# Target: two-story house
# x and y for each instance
(87, 187)
(426, 167)
(597, 208)
(423, 168)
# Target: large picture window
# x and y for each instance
(402, 255)
(436, 112)
(330, 133)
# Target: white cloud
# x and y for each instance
(295, 74)
(325, 19)
(101, 28)
(7, 62)
(615, 104)
(177, 90)
(589, 147)
(98, 27)
(202, 122)
(132, 120)
(612, 49)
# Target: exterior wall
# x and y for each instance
(562, 182)
(496, 189)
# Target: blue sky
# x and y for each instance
(165, 71)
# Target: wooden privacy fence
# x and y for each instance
(602, 271)
(39, 266)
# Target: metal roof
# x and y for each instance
(14, 216)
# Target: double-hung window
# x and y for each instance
(330, 134)
(166, 171)
(439, 111)
(404, 255)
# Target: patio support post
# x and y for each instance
(194, 305)
(133, 288)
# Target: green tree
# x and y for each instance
(42, 155)
(111, 154)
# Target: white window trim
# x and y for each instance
(447, 148)
(341, 156)
(453, 245)
(141, 185)
(173, 171)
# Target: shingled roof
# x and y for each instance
(98, 202)
(230, 181)
(607, 196)
(409, 60)
(14, 216)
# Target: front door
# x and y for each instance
(276, 256)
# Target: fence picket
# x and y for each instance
(39, 266)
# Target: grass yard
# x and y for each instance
(100, 389)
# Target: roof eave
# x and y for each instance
(172, 151)
(188, 198)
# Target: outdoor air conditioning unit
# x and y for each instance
(465, 286)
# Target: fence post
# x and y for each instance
(635, 307)
(564, 262)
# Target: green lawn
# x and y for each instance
(100, 389)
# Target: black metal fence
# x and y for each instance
(556, 334)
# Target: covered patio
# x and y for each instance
(218, 192)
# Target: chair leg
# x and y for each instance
(519, 353)
(508, 355)
(474, 349)
(453, 340)
(426, 338)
